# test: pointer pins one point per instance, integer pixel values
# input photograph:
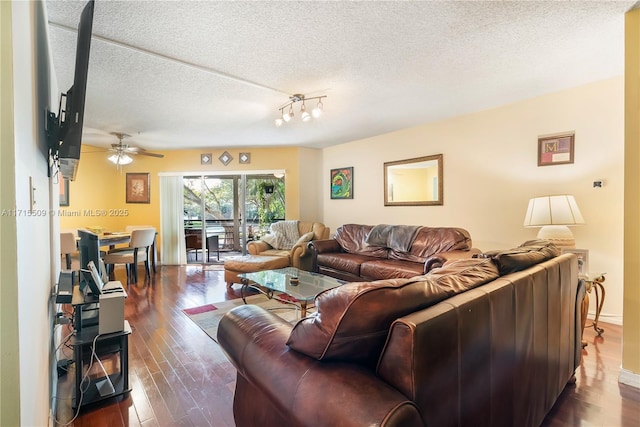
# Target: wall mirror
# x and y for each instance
(413, 182)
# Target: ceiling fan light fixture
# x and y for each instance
(120, 159)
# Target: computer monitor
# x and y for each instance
(89, 247)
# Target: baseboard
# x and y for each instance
(629, 378)
(608, 318)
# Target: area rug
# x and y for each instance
(208, 316)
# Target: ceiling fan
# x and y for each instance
(121, 151)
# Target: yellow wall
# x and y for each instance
(631, 326)
(99, 187)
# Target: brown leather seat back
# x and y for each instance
(523, 329)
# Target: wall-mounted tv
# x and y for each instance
(64, 131)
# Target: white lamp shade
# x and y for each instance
(553, 210)
(554, 214)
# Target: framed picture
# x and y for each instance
(342, 183)
(64, 192)
(138, 188)
(555, 150)
(583, 260)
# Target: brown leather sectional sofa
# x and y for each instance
(366, 252)
(488, 341)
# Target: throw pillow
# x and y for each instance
(270, 239)
(352, 321)
(306, 237)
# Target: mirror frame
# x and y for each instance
(439, 201)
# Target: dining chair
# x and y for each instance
(191, 244)
(141, 241)
(68, 246)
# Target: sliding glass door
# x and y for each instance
(214, 209)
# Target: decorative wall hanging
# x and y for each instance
(225, 158)
(205, 159)
(342, 183)
(245, 158)
(555, 150)
(138, 188)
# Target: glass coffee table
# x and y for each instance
(302, 286)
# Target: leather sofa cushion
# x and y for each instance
(390, 269)
(353, 239)
(524, 256)
(351, 322)
(343, 261)
(433, 240)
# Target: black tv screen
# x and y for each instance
(70, 136)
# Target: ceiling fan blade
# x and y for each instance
(146, 153)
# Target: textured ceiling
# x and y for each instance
(190, 74)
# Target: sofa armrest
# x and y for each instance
(301, 257)
(304, 390)
(439, 259)
(324, 246)
(256, 246)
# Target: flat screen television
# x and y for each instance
(65, 130)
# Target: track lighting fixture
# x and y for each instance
(304, 114)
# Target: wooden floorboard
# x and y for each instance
(180, 377)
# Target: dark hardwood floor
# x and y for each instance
(180, 377)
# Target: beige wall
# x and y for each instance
(491, 171)
(631, 331)
(27, 245)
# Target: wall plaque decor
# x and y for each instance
(225, 158)
(245, 158)
(555, 150)
(138, 188)
(205, 159)
(342, 183)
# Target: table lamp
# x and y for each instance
(554, 214)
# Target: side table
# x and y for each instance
(595, 284)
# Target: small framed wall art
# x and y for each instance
(583, 260)
(138, 188)
(556, 149)
(342, 183)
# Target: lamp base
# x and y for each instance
(559, 235)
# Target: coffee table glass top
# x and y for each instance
(309, 284)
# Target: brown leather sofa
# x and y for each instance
(353, 255)
(479, 342)
(299, 255)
